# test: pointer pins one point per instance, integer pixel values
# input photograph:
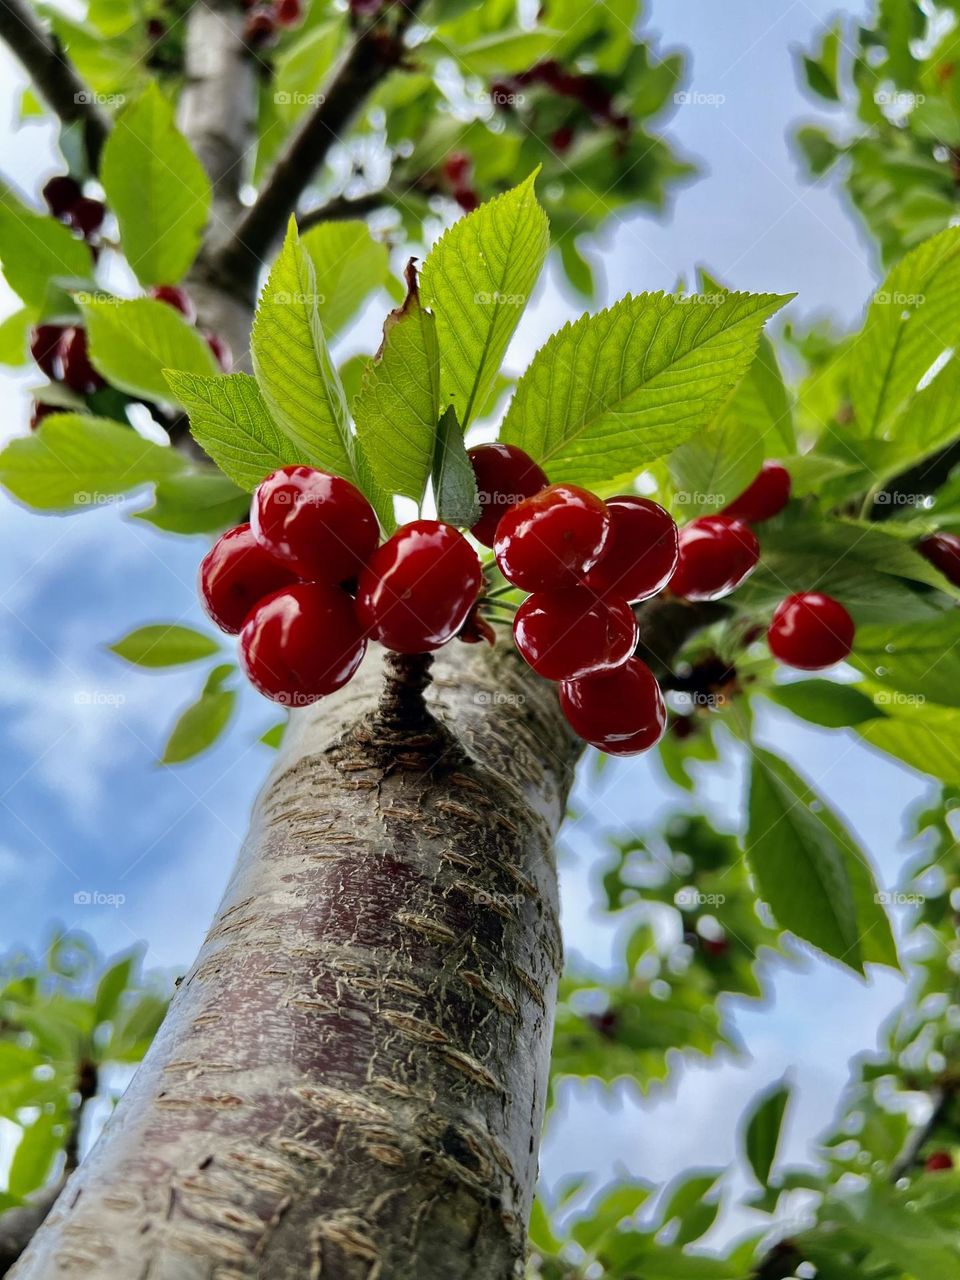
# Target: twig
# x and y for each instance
(53, 74)
(376, 50)
(341, 207)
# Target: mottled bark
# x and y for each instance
(351, 1079)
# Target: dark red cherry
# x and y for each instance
(77, 371)
(938, 1162)
(717, 554)
(620, 711)
(456, 168)
(561, 139)
(45, 349)
(319, 524)
(553, 538)
(302, 643)
(641, 552)
(221, 351)
(765, 497)
(60, 194)
(505, 475)
(573, 632)
(235, 575)
(178, 298)
(41, 411)
(810, 630)
(418, 589)
(288, 12)
(943, 551)
(86, 216)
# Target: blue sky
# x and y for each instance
(84, 806)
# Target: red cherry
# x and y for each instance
(938, 1162)
(505, 475)
(477, 629)
(221, 351)
(260, 27)
(467, 199)
(642, 550)
(764, 497)
(86, 216)
(572, 633)
(561, 139)
(60, 194)
(235, 575)
(418, 589)
(620, 711)
(553, 538)
(78, 373)
(717, 554)
(810, 630)
(156, 30)
(302, 643)
(288, 12)
(174, 296)
(456, 168)
(41, 411)
(943, 551)
(45, 349)
(716, 947)
(320, 525)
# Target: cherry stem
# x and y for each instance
(502, 590)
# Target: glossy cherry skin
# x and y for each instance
(174, 296)
(45, 348)
(77, 371)
(302, 643)
(717, 554)
(320, 525)
(505, 475)
(418, 589)
(60, 194)
(810, 631)
(86, 215)
(571, 633)
(235, 575)
(620, 711)
(943, 551)
(642, 550)
(765, 497)
(552, 539)
(938, 1162)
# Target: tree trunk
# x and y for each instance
(351, 1079)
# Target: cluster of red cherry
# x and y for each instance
(61, 351)
(265, 21)
(64, 198)
(587, 91)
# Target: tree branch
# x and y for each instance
(53, 74)
(376, 50)
(342, 207)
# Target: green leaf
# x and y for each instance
(398, 406)
(37, 251)
(477, 279)
(714, 468)
(454, 484)
(162, 645)
(659, 368)
(73, 462)
(132, 341)
(290, 359)
(688, 1206)
(196, 502)
(824, 702)
(497, 53)
(763, 1125)
(348, 265)
(34, 1156)
(913, 318)
(156, 187)
(113, 983)
(230, 422)
(920, 661)
(15, 336)
(928, 740)
(808, 868)
(199, 726)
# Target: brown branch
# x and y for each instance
(376, 50)
(342, 207)
(53, 74)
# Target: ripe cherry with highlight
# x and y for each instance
(571, 633)
(418, 589)
(620, 712)
(320, 525)
(505, 475)
(235, 575)
(552, 539)
(178, 298)
(943, 551)
(810, 630)
(717, 554)
(765, 497)
(642, 550)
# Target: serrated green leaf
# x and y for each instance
(133, 340)
(73, 462)
(299, 384)
(36, 251)
(477, 279)
(348, 265)
(809, 869)
(196, 502)
(398, 406)
(34, 1156)
(659, 368)
(231, 423)
(763, 1124)
(157, 188)
(913, 318)
(454, 484)
(927, 740)
(163, 645)
(199, 726)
